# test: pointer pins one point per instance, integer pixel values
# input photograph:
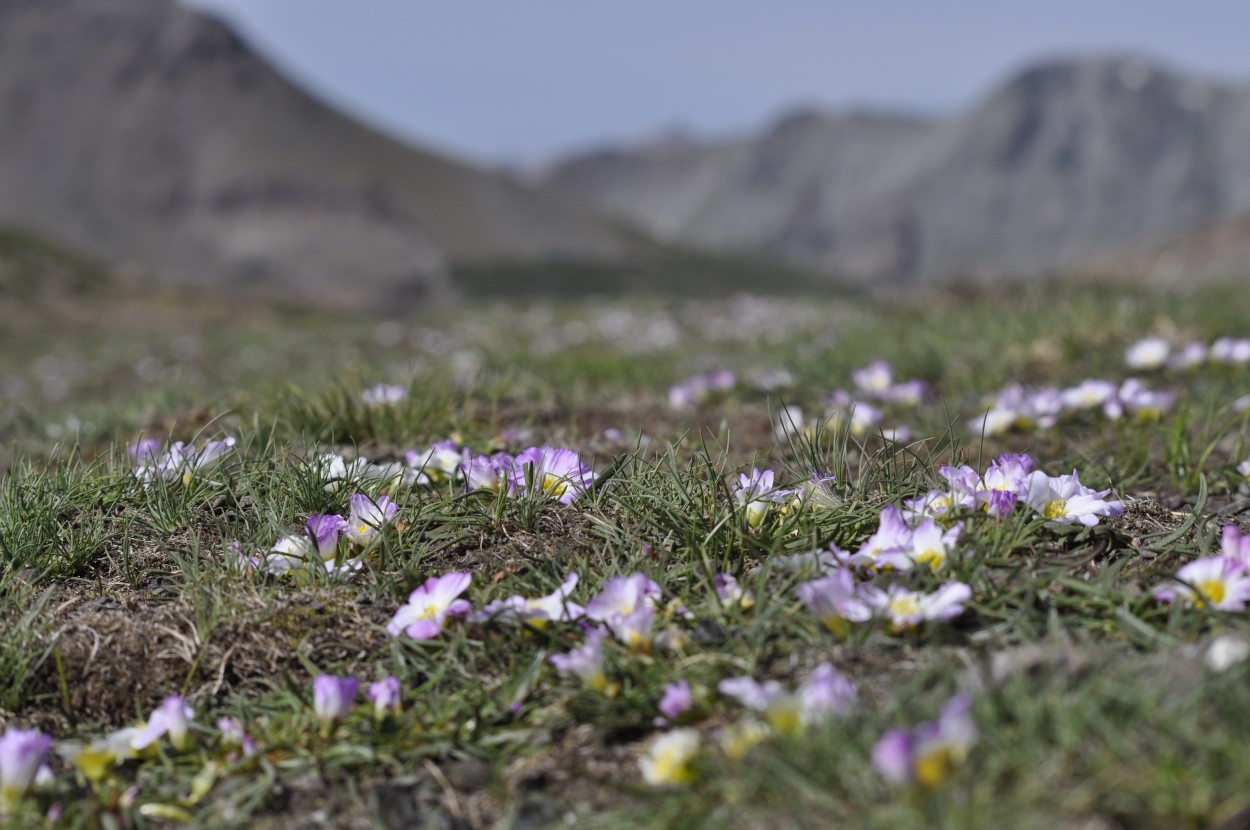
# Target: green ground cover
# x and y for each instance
(1095, 703)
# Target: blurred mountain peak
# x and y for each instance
(146, 133)
(1068, 161)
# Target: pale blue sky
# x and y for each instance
(517, 81)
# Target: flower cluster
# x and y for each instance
(384, 394)
(180, 463)
(1010, 481)
(1156, 353)
(557, 472)
(700, 388)
(172, 720)
(876, 381)
(327, 542)
(773, 710)
(822, 696)
(838, 599)
(1023, 408)
(334, 697)
(852, 412)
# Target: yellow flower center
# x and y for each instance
(554, 485)
(1210, 591)
(932, 558)
(837, 625)
(784, 719)
(638, 643)
(905, 606)
(672, 766)
(934, 766)
(739, 739)
(1055, 509)
(95, 764)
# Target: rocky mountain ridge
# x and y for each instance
(1071, 162)
(147, 134)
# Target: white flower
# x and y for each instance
(670, 760)
(1147, 353)
(1064, 499)
(368, 517)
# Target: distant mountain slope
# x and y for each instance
(1214, 252)
(146, 133)
(1068, 162)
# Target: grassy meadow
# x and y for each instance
(129, 577)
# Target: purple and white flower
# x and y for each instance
(731, 594)
(1235, 545)
(234, 735)
(622, 596)
(387, 697)
(368, 517)
(1144, 404)
(670, 759)
(428, 607)
(888, 546)
(22, 754)
(1006, 474)
(324, 532)
(333, 698)
(1065, 500)
(756, 493)
(536, 613)
(834, 599)
(677, 700)
(1229, 350)
(554, 471)
(875, 378)
(932, 544)
(440, 463)
(1089, 394)
(906, 609)
(585, 661)
(926, 754)
(173, 718)
(1191, 354)
(492, 472)
(1218, 582)
(822, 696)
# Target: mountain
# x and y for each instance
(145, 133)
(1071, 161)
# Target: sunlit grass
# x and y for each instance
(1092, 697)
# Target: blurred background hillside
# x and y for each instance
(383, 156)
